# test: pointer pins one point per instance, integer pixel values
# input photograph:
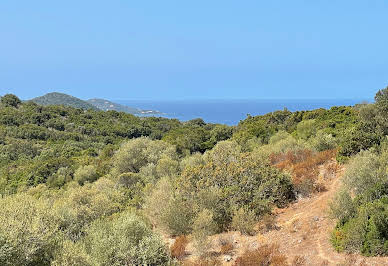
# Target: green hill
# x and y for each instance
(106, 105)
(56, 98)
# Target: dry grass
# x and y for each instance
(226, 245)
(298, 261)
(178, 249)
(204, 262)
(268, 223)
(304, 167)
(262, 256)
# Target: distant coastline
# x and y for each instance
(230, 112)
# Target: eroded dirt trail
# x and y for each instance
(304, 230)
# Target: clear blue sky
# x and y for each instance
(194, 49)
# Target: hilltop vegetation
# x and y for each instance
(56, 98)
(106, 105)
(85, 187)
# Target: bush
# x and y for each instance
(125, 240)
(203, 227)
(78, 207)
(247, 183)
(71, 254)
(244, 220)
(363, 172)
(192, 160)
(224, 152)
(366, 231)
(323, 141)
(304, 167)
(280, 135)
(28, 231)
(85, 174)
(178, 216)
(342, 207)
(306, 129)
(10, 100)
(137, 153)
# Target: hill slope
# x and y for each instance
(302, 229)
(56, 98)
(108, 105)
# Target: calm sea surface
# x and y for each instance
(229, 112)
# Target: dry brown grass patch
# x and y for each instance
(178, 249)
(262, 256)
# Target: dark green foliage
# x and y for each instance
(10, 100)
(372, 127)
(75, 183)
(225, 185)
(362, 206)
(106, 105)
(36, 141)
(189, 139)
(56, 98)
(367, 231)
(334, 122)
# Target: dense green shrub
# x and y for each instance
(203, 227)
(323, 141)
(362, 206)
(28, 231)
(227, 180)
(244, 220)
(137, 153)
(10, 100)
(126, 240)
(86, 173)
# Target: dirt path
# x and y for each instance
(303, 230)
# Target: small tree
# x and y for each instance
(203, 227)
(244, 220)
(10, 100)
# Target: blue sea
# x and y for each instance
(230, 112)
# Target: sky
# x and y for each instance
(167, 50)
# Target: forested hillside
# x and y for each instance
(56, 98)
(88, 187)
(106, 105)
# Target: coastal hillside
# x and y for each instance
(285, 188)
(106, 105)
(56, 98)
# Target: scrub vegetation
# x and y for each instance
(87, 187)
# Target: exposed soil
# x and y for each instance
(303, 229)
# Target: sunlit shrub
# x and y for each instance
(79, 206)
(203, 227)
(323, 141)
(86, 173)
(363, 172)
(137, 153)
(28, 231)
(71, 254)
(125, 240)
(306, 128)
(244, 220)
